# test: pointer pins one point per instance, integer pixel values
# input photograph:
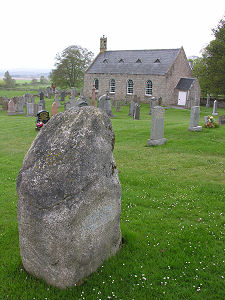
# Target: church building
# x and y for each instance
(157, 73)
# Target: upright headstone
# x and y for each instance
(57, 100)
(30, 109)
(208, 101)
(152, 104)
(19, 107)
(215, 113)
(222, 120)
(131, 108)
(157, 127)
(42, 104)
(66, 106)
(42, 95)
(69, 198)
(195, 112)
(118, 105)
(63, 95)
(137, 112)
(11, 108)
(54, 108)
(5, 103)
(104, 103)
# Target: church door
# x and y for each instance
(182, 96)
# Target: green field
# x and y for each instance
(172, 216)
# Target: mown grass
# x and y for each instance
(172, 213)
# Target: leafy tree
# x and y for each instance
(34, 81)
(70, 66)
(210, 69)
(43, 80)
(9, 82)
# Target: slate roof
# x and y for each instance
(149, 62)
(184, 84)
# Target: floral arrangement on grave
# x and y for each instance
(211, 123)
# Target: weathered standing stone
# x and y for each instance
(69, 198)
(137, 111)
(11, 108)
(215, 113)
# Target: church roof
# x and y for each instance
(149, 62)
(184, 84)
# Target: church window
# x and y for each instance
(148, 88)
(130, 86)
(96, 83)
(112, 86)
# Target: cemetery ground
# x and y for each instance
(172, 212)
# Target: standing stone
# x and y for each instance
(11, 108)
(208, 101)
(54, 108)
(222, 120)
(195, 111)
(137, 112)
(57, 100)
(215, 113)
(157, 127)
(131, 108)
(69, 198)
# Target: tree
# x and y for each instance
(43, 80)
(210, 69)
(70, 66)
(9, 82)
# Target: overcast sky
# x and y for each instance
(33, 31)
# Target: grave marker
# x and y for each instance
(157, 127)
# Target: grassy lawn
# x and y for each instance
(172, 216)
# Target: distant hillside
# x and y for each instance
(26, 73)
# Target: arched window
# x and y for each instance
(96, 83)
(112, 86)
(130, 86)
(148, 88)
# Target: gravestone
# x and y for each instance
(104, 103)
(205, 119)
(42, 95)
(69, 198)
(66, 106)
(81, 101)
(118, 105)
(11, 108)
(157, 127)
(57, 100)
(63, 95)
(5, 104)
(160, 101)
(19, 107)
(152, 104)
(195, 111)
(137, 112)
(215, 113)
(54, 108)
(30, 109)
(208, 101)
(222, 120)
(131, 108)
(41, 104)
